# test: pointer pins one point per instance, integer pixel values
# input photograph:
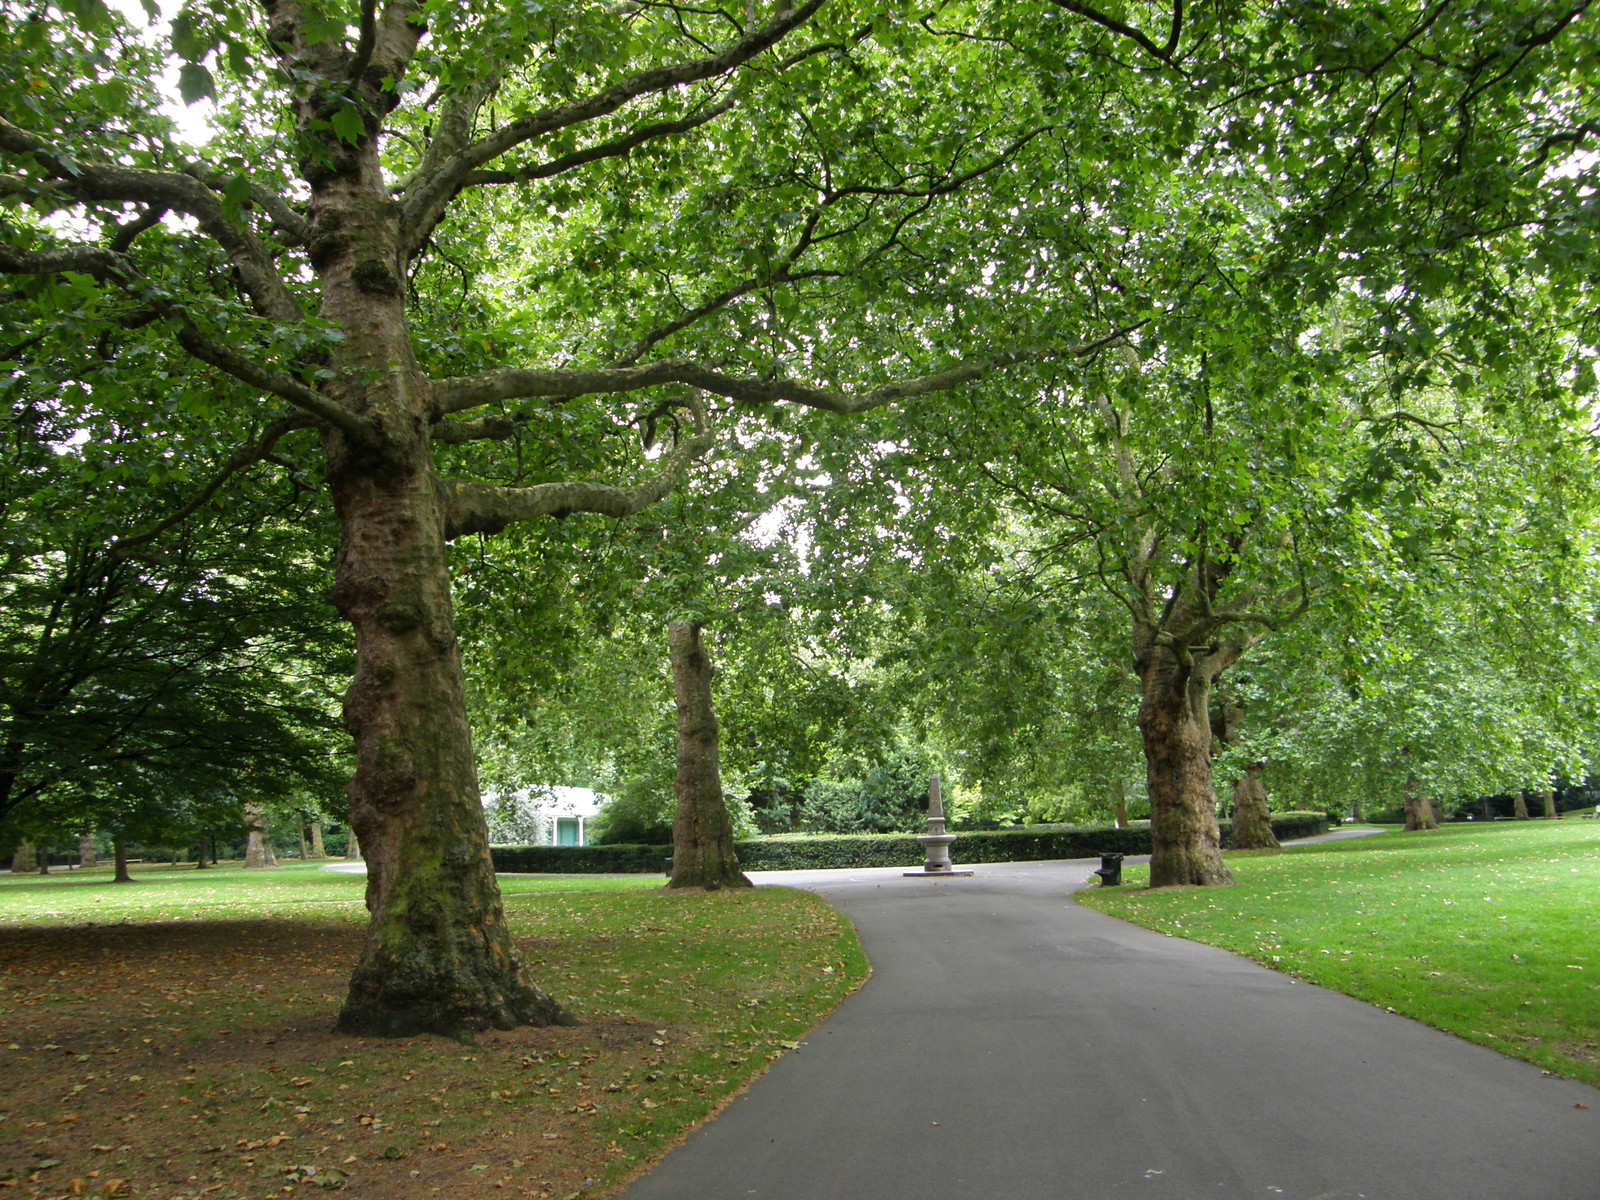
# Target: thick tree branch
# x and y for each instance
(285, 387)
(489, 429)
(99, 183)
(367, 43)
(616, 148)
(485, 508)
(95, 261)
(108, 266)
(465, 392)
(246, 456)
(1121, 29)
(431, 190)
(288, 221)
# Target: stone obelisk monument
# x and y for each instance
(936, 842)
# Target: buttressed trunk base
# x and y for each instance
(438, 957)
(1252, 819)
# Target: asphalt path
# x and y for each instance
(1011, 1043)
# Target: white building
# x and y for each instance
(541, 816)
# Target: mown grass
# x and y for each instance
(1487, 931)
(175, 1035)
(160, 892)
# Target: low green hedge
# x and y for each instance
(579, 860)
(1035, 844)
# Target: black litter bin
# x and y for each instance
(1110, 871)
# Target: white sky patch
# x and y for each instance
(192, 123)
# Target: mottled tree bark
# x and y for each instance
(438, 956)
(86, 850)
(1176, 733)
(258, 844)
(1252, 819)
(1419, 812)
(1519, 805)
(702, 832)
(1549, 800)
(318, 850)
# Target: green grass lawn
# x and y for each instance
(1487, 931)
(160, 892)
(174, 1035)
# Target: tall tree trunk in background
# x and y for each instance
(1549, 798)
(25, 859)
(1185, 844)
(352, 849)
(1436, 809)
(119, 854)
(1252, 819)
(1419, 812)
(200, 862)
(318, 850)
(258, 845)
(86, 850)
(1119, 803)
(1519, 805)
(1355, 809)
(300, 836)
(702, 832)
(44, 859)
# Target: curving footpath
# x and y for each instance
(1013, 1044)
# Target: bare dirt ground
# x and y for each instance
(196, 1060)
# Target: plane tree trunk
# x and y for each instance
(119, 856)
(1185, 842)
(258, 842)
(1419, 811)
(1252, 819)
(702, 832)
(1519, 805)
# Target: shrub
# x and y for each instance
(888, 798)
(579, 860)
(1039, 843)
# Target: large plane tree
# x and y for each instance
(420, 234)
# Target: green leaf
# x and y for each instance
(188, 42)
(347, 125)
(195, 82)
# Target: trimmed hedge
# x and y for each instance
(579, 860)
(1039, 843)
